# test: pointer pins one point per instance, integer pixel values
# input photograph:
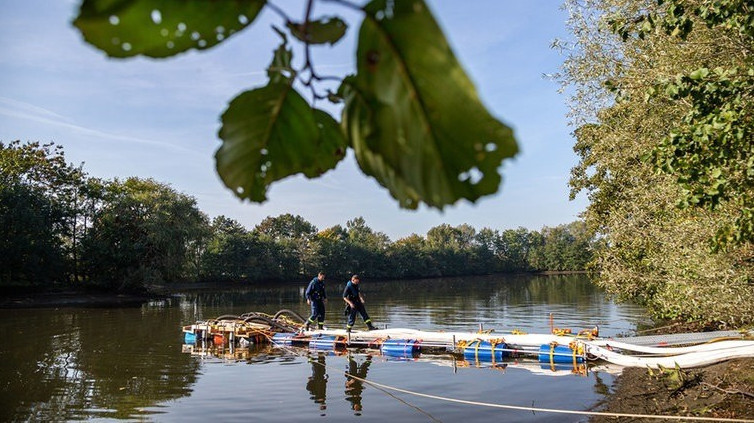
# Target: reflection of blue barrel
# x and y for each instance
(558, 354)
(325, 342)
(282, 338)
(485, 351)
(189, 338)
(401, 347)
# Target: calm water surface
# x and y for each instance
(129, 363)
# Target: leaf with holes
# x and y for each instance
(326, 30)
(270, 133)
(162, 28)
(413, 116)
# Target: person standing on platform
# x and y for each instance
(352, 296)
(317, 298)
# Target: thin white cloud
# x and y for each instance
(21, 110)
(30, 108)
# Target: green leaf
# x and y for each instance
(281, 70)
(326, 30)
(699, 74)
(270, 133)
(331, 145)
(413, 116)
(162, 28)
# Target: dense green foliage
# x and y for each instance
(61, 227)
(424, 144)
(663, 110)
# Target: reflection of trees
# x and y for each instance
(317, 383)
(354, 387)
(447, 301)
(83, 363)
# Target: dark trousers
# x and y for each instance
(318, 312)
(358, 309)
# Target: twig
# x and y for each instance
(729, 391)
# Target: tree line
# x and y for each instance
(61, 227)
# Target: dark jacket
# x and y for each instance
(352, 292)
(316, 290)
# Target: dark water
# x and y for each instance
(129, 363)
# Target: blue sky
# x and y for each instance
(159, 118)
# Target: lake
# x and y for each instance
(130, 363)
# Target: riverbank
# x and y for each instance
(25, 298)
(720, 391)
(74, 299)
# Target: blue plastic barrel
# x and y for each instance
(558, 354)
(282, 338)
(325, 342)
(189, 338)
(401, 347)
(485, 351)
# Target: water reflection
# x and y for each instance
(355, 385)
(317, 383)
(73, 364)
(128, 363)
(501, 302)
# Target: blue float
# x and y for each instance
(326, 342)
(485, 351)
(401, 347)
(558, 354)
(189, 338)
(282, 338)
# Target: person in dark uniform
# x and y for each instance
(317, 298)
(354, 387)
(317, 384)
(352, 296)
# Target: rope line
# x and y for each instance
(550, 410)
(384, 387)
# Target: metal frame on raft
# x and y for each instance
(559, 348)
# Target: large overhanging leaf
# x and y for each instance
(414, 118)
(270, 133)
(162, 28)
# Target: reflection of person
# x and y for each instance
(316, 297)
(352, 296)
(317, 384)
(354, 387)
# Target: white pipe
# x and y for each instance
(684, 361)
(711, 346)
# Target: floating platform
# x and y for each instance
(559, 348)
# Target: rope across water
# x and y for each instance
(385, 387)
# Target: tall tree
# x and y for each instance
(39, 199)
(142, 235)
(639, 132)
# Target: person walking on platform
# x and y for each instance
(352, 296)
(317, 298)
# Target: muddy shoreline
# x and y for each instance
(723, 390)
(720, 391)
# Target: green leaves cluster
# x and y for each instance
(711, 152)
(678, 17)
(662, 107)
(711, 149)
(410, 113)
